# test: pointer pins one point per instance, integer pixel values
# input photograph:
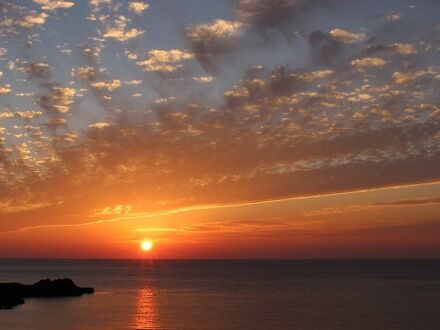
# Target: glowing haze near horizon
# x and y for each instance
(220, 129)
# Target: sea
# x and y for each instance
(228, 294)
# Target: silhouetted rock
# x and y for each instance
(7, 302)
(12, 294)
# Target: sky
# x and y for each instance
(220, 129)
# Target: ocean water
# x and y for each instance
(205, 295)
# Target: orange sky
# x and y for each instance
(390, 222)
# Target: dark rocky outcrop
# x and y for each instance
(12, 294)
(7, 301)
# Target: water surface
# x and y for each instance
(205, 295)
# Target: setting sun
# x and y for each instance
(146, 245)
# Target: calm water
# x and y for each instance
(209, 295)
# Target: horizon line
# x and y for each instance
(225, 259)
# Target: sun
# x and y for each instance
(146, 245)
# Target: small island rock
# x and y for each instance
(12, 294)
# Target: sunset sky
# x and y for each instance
(220, 128)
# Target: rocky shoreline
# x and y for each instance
(13, 294)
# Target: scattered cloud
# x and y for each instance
(368, 62)
(118, 30)
(98, 3)
(113, 210)
(300, 105)
(5, 89)
(29, 114)
(204, 79)
(402, 78)
(58, 99)
(164, 60)
(33, 20)
(208, 41)
(347, 36)
(99, 125)
(138, 6)
(85, 73)
(109, 85)
(219, 29)
(54, 4)
(404, 48)
(37, 70)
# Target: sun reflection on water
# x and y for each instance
(145, 316)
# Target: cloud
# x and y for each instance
(99, 125)
(29, 114)
(138, 7)
(164, 60)
(404, 48)
(219, 29)
(58, 99)
(327, 50)
(133, 82)
(109, 85)
(54, 4)
(403, 78)
(271, 19)
(32, 20)
(56, 122)
(330, 211)
(16, 22)
(204, 79)
(30, 94)
(368, 62)
(118, 30)
(113, 210)
(87, 73)
(98, 3)
(347, 36)
(5, 89)
(7, 114)
(264, 14)
(208, 41)
(411, 202)
(37, 70)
